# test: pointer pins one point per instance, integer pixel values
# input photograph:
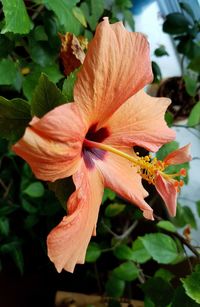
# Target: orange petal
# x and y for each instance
(179, 156)
(52, 145)
(116, 66)
(168, 192)
(67, 243)
(140, 121)
(120, 176)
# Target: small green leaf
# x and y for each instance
(161, 247)
(187, 8)
(46, 97)
(169, 118)
(126, 271)
(194, 117)
(123, 252)
(166, 225)
(18, 258)
(68, 86)
(190, 84)
(166, 149)
(108, 195)
(97, 9)
(176, 23)
(93, 252)
(191, 284)
(77, 12)
(140, 254)
(114, 209)
(8, 72)
(198, 207)
(128, 16)
(164, 274)
(35, 189)
(14, 118)
(156, 72)
(161, 51)
(27, 206)
(4, 226)
(16, 17)
(159, 291)
(115, 287)
(189, 217)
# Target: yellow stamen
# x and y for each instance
(148, 167)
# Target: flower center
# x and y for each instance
(148, 167)
(97, 135)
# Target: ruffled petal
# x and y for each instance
(179, 156)
(52, 145)
(116, 66)
(67, 243)
(140, 121)
(120, 176)
(168, 192)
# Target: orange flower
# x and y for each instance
(92, 138)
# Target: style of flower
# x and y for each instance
(92, 139)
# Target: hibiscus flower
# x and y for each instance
(92, 139)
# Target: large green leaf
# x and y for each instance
(161, 247)
(8, 71)
(182, 299)
(126, 271)
(191, 285)
(159, 291)
(176, 23)
(46, 97)
(140, 254)
(14, 117)
(64, 11)
(194, 117)
(123, 252)
(93, 12)
(16, 17)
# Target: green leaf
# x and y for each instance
(46, 97)
(164, 274)
(63, 11)
(198, 207)
(78, 14)
(62, 188)
(161, 51)
(39, 34)
(176, 23)
(189, 217)
(194, 117)
(169, 118)
(166, 149)
(68, 86)
(161, 247)
(191, 84)
(166, 225)
(181, 299)
(18, 258)
(187, 8)
(115, 287)
(8, 209)
(140, 254)
(4, 226)
(14, 118)
(128, 16)
(123, 252)
(108, 195)
(156, 72)
(114, 209)
(35, 189)
(93, 252)
(8, 72)
(191, 284)
(27, 206)
(97, 9)
(6, 46)
(126, 271)
(42, 53)
(159, 291)
(16, 17)
(195, 64)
